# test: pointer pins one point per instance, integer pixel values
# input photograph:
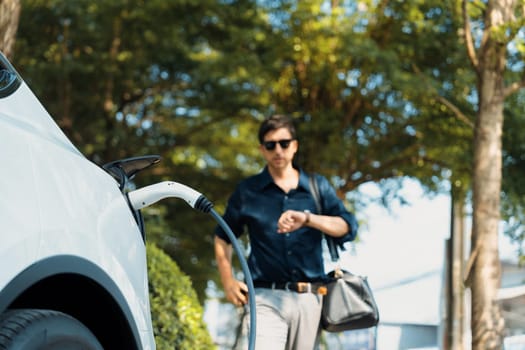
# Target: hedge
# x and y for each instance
(176, 312)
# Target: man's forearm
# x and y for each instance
(292, 220)
(331, 225)
(223, 257)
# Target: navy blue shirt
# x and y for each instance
(257, 203)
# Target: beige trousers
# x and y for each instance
(286, 320)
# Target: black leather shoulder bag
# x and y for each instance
(349, 302)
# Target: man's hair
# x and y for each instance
(275, 122)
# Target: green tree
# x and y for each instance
(489, 56)
(377, 90)
(381, 90)
(126, 78)
(369, 83)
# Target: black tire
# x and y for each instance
(31, 329)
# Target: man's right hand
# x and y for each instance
(236, 292)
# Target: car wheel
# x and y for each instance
(30, 329)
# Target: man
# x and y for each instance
(286, 260)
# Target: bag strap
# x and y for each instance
(314, 189)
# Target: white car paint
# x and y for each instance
(55, 202)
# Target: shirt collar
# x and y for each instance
(264, 179)
(304, 180)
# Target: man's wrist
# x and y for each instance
(307, 217)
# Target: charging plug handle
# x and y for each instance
(151, 194)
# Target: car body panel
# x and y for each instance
(54, 202)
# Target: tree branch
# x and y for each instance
(470, 263)
(469, 42)
(460, 115)
(514, 87)
(457, 112)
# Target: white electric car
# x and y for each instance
(72, 257)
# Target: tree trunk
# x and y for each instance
(455, 296)
(9, 15)
(458, 292)
(487, 322)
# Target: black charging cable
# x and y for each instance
(204, 205)
(148, 195)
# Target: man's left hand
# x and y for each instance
(291, 220)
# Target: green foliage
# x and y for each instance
(176, 312)
(375, 86)
(175, 78)
(367, 84)
(513, 187)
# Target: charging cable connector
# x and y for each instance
(151, 194)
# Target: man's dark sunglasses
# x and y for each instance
(270, 145)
